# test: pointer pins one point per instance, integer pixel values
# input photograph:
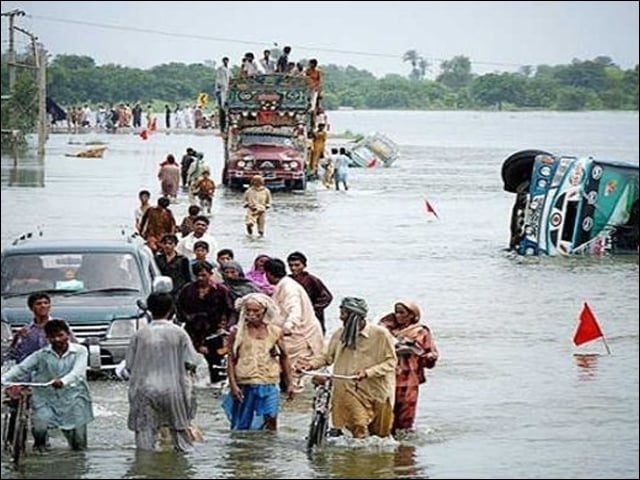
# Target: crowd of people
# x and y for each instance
(261, 330)
(272, 335)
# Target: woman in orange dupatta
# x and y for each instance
(416, 349)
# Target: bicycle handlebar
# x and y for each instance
(333, 376)
(28, 384)
(220, 333)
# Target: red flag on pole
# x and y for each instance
(430, 208)
(588, 328)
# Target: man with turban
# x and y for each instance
(364, 406)
(257, 360)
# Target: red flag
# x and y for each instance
(588, 328)
(144, 134)
(430, 208)
(372, 162)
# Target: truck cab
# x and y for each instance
(268, 121)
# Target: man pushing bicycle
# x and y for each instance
(366, 351)
(66, 402)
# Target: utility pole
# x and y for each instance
(12, 48)
(41, 64)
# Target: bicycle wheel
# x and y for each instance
(19, 442)
(317, 430)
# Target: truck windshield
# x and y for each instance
(277, 140)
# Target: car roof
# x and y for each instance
(42, 245)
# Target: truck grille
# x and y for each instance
(81, 331)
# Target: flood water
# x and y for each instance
(509, 397)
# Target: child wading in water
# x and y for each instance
(257, 200)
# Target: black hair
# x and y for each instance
(201, 243)
(169, 237)
(275, 267)
(54, 326)
(160, 304)
(34, 297)
(225, 251)
(297, 256)
(199, 266)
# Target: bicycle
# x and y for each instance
(17, 418)
(321, 407)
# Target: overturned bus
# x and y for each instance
(568, 205)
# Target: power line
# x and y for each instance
(193, 36)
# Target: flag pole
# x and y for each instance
(606, 345)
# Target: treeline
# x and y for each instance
(596, 84)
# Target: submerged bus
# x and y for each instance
(571, 205)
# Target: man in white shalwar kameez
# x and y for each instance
(303, 337)
(160, 388)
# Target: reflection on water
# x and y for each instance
(26, 171)
(587, 364)
(62, 464)
(163, 464)
(374, 458)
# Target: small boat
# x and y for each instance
(92, 151)
(571, 205)
(373, 150)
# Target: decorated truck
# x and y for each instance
(267, 123)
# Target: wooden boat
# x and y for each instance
(92, 151)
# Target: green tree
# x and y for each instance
(456, 73)
(412, 56)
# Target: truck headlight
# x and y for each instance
(122, 328)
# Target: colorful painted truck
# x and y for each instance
(571, 205)
(267, 122)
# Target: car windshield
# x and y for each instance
(277, 140)
(69, 272)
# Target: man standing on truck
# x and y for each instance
(317, 149)
(222, 82)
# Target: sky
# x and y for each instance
(495, 36)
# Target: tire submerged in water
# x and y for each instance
(516, 169)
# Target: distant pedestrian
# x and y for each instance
(257, 200)
(169, 176)
(341, 169)
(186, 227)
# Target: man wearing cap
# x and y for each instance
(364, 406)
